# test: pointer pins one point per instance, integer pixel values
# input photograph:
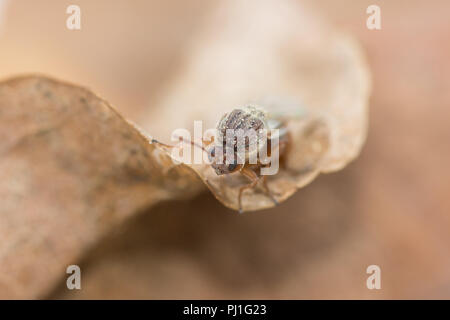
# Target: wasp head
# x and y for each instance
(218, 161)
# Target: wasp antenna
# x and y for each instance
(163, 144)
(181, 139)
(193, 143)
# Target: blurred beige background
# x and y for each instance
(390, 207)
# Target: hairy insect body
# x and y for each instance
(248, 130)
(243, 135)
(238, 139)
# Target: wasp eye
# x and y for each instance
(212, 154)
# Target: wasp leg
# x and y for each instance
(253, 177)
(268, 193)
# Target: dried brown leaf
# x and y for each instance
(70, 168)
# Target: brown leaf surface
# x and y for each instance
(70, 168)
(390, 207)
